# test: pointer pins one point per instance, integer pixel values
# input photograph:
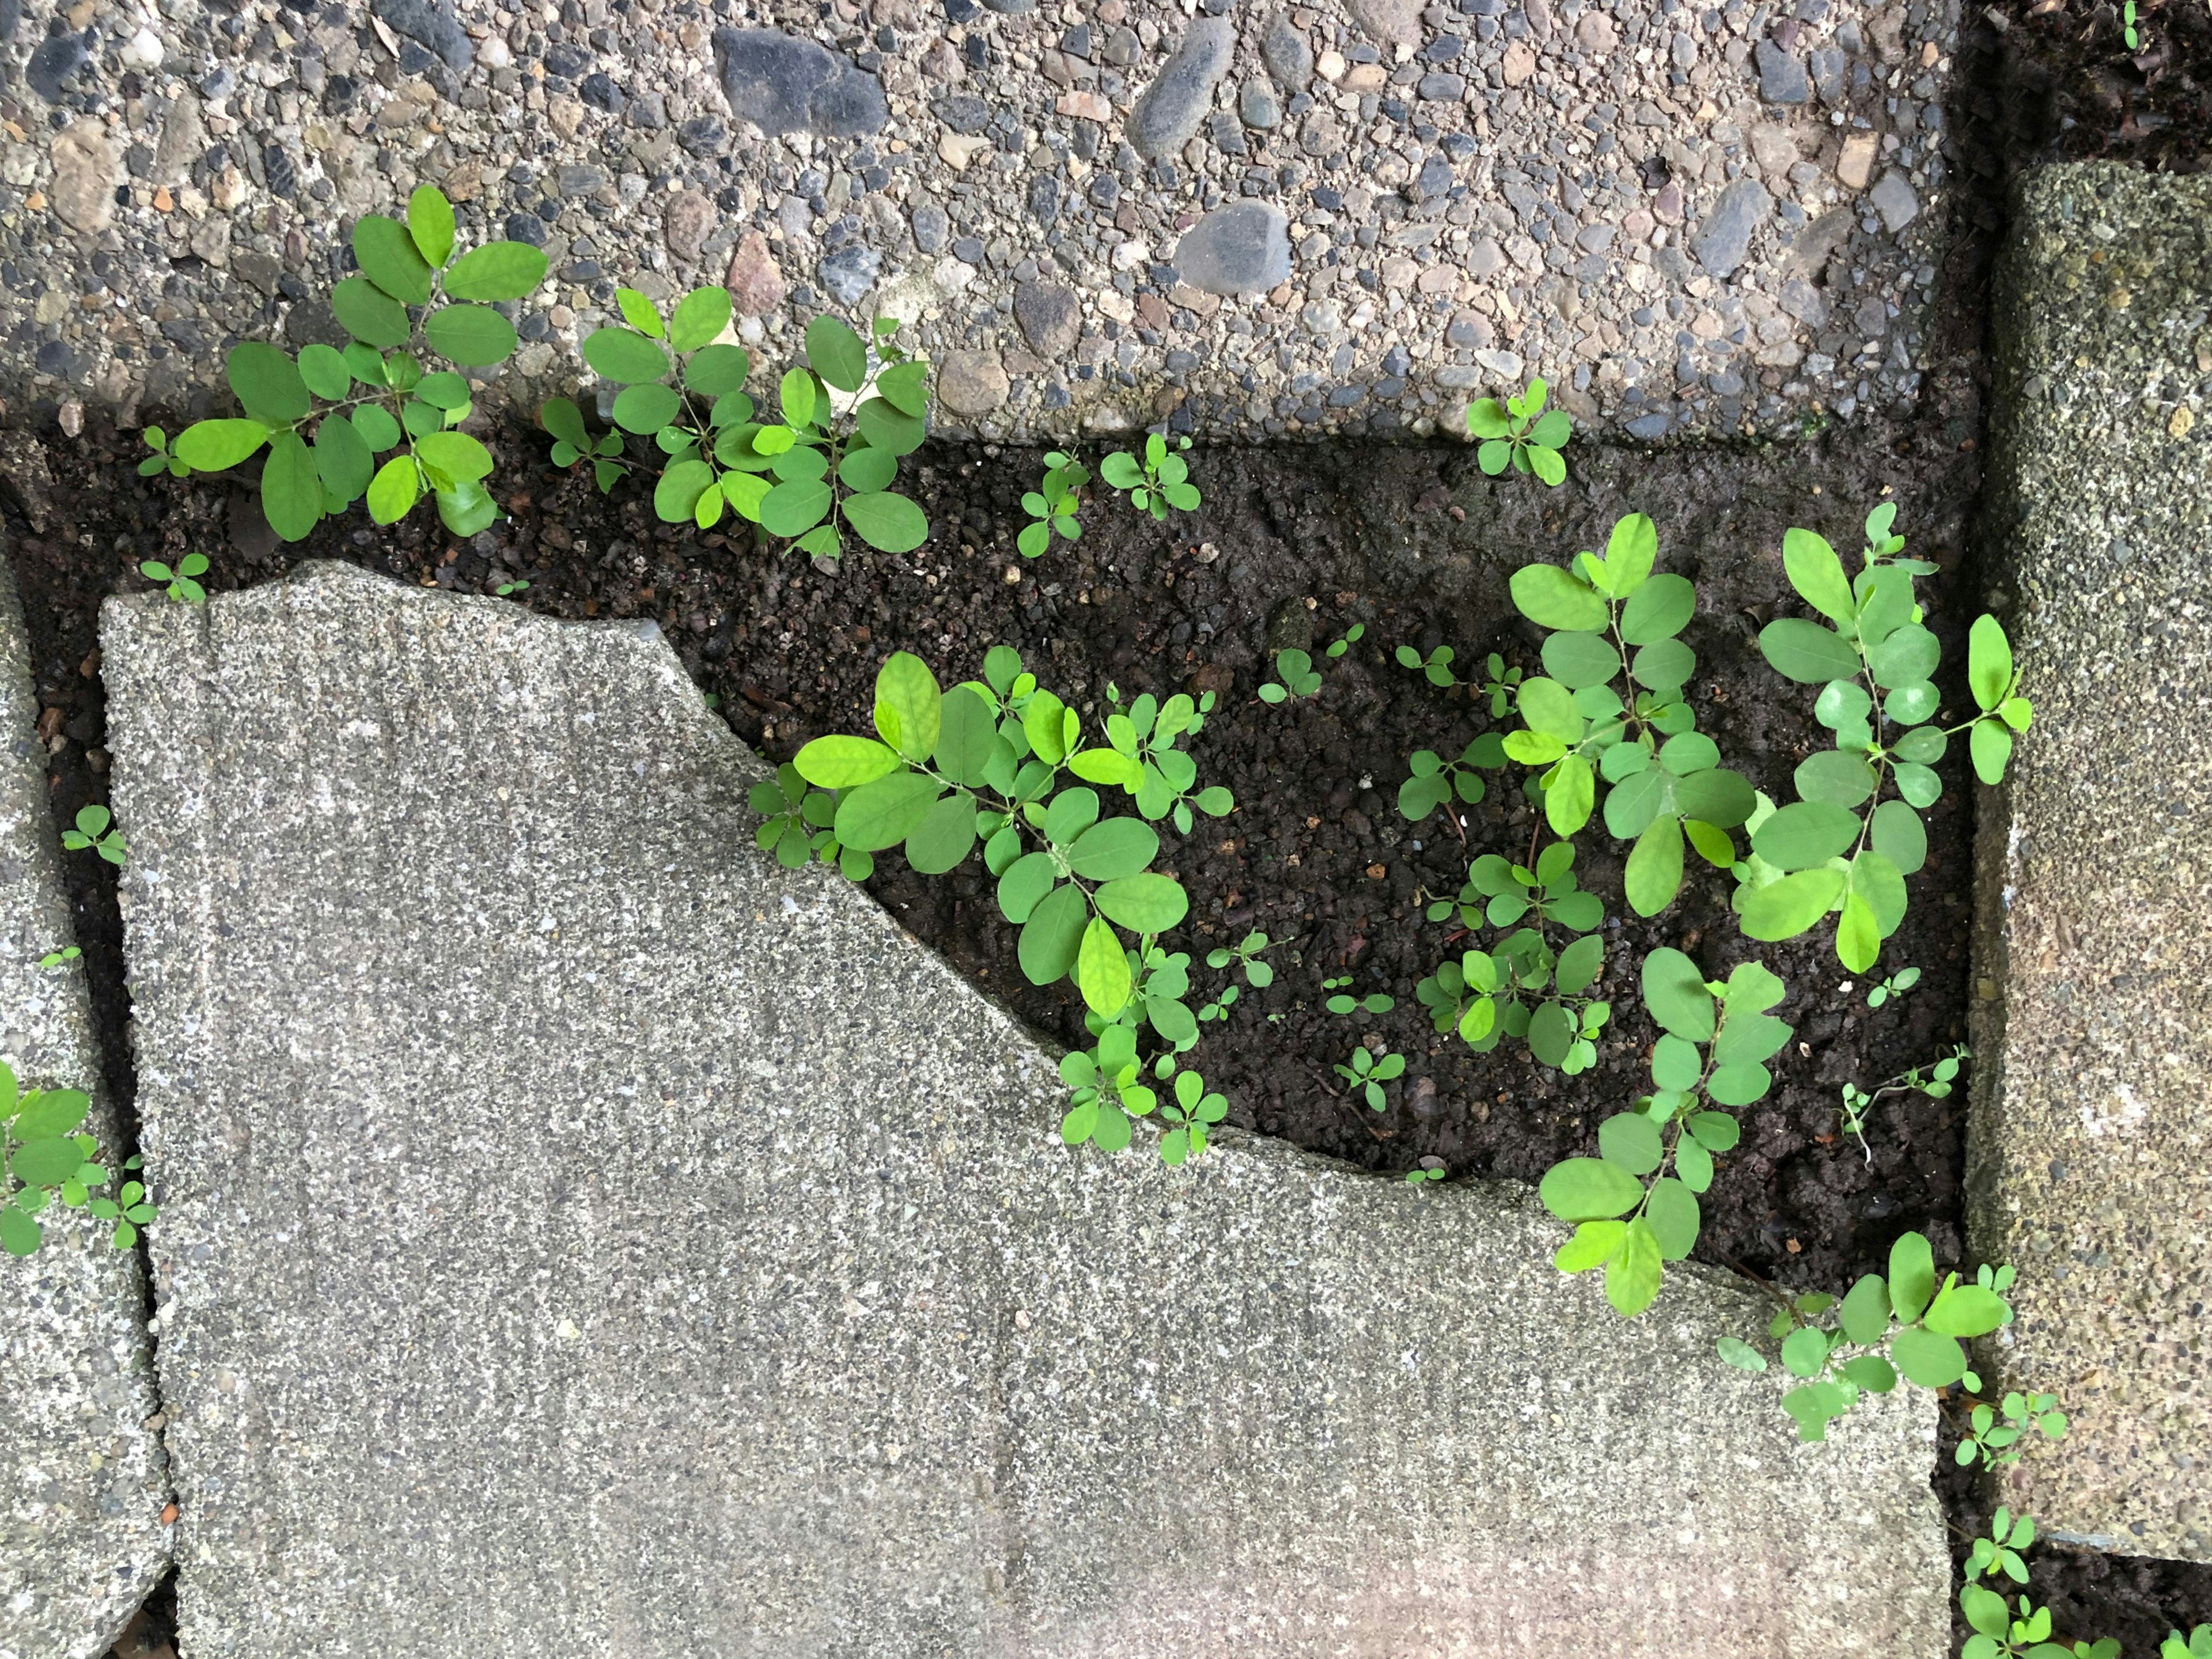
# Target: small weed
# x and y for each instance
(1521, 433)
(1433, 1169)
(1052, 504)
(2198, 1646)
(55, 958)
(1160, 481)
(45, 1156)
(93, 833)
(1895, 986)
(1343, 1003)
(1367, 1073)
(1933, 1080)
(1995, 1443)
(1295, 677)
(1351, 637)
(508, 590)
(182, 581)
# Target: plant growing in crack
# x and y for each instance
(322, 460)
(94, 832)
(1933, 1080)
(1161, 480)
(2019, 1630)
(183, 581)
(1716, 1038)
(1521, 433)
(848, 417)
(45, 1156)
(1998, 1444)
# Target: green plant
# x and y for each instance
(1351, 637)
(1160, 481)
(309, 476)
(1431, 780)
(983, 764)
(1933, 1080)
(2000, 1551)
(1520, 987)
(1245, 955)
(1622, 1225)
(2002, 1633)
(1895, 986)
(1435, 667)
(2128, 26)
(509, 589)
(1368, 1073)
(831, 459)
(1909, 1323)
(1147, 733)
(2198, 1646)
(55, 958)
(1295, 677)
(1662, 777)
(93, 834)
(45, 1155)
(1374, 1003)
(1995, 1443)
(1431, 1169)
(183, 584)
(1521, 432)
(1052, 504)
(1841, 849)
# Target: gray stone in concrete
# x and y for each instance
(1723, 239)
(783, 83)
(1287, 53)
(1782, 77)
(585, 1236)
(432, 26)
(1049, 317)
(1892, 198)
(82, 1482)
(1173, 105)
(2090, 1160)
(1242, 248)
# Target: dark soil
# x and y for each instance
(2056, 80)
(1291, 548)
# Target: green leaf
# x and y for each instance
(1630, 1141)
(884, 813)
(797, 397)
(1989, 665)
(1044, 723)
(887, 522)
(717, 371)
(363, 364)
(836, 354)
(1580, 964)
(389, 258)
(1864, 1314)
(457, 455)
(1631, 550)
(965, 736)
(1899, 837)
(616, 354)
(1675, 991)
(1664, 664)
(647, 408)
(291, 488)
(699, 316)
(1673, 1216)
(1108, 766)
(268, 383)
(1964, 1310)
(1817, 574)
(641, 314)
(909, 709)
(1487, 418)
(499, 271)
(1806, 835)
(1805, 1352)
(1114, 848)
(465, 507)
(47, 1163)
(902, 386)
(1632, 1277)
(1589, 1190)
(1931, 1360)
(1907, 656)
(1912, 1276)
(19, 1234)
(1576, 661)
(1716, 1131)
(395, 488)
(444, 391)
(1551, 598)
(1739, 1085)
(1807, 653)
(1735, 1350)
(1989, 744)
(1570, 796)
(793, 509)
(1654, 872)
(342, 460)
(1836, 776)
(867, 471)
(472, 336)
(844, 762)
(944, 837)
(887, 427)
(375, 427)
(1720, 797)
(51, 1112)
(1025, 883)
(676, 497)
(1101, 970)
(1784, 909)
(1658, 610)
(211, 446)
(1592, 1246)
(1145, 904)
(1547, 465)
(1052, 934)
(368, 313)
(430, 224)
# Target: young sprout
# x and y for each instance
(55, 958)
(1521, 433)
(93, 833)
(1374, 1003)
(182, 584)
(1368, 1073)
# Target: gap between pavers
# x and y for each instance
(581, 1234)
(82, 1481)
(2090, 1160)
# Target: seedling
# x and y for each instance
(93, 833)
(1147, 733)
(2000, 1551)
(1245, 954)
(1841, 849)
(182, 581)
(1432, 780)
(321, 461)
(1367, 1074)
(1933, 1080)
(1160, 481)
(55, 958)
(1352, 637)
(1374, 1003)
(847, 417)
(2128, 26)
(1520, 987)
(1895, 986)
(1431, 1169)
(45, 1155)
(1521, 433)
(507, 590)
(1435, 667)
(1996, 1445)
(1622, 1226)
(1295, 677)
(1052, 504)
(2198, 1646)
(1999, 1633)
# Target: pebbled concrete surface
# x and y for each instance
(2090, 1160)
(584, 1236)
(82, 1480)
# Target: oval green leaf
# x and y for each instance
(342, 460)
(1632, 1277)
(945, 836)
(1550, 597)
(1674, 993)
(460, 457)
(1817, 574)
(1101, 970)
(1806, 835)
(1658, 610)
(909, 710)
(1673, 1214)
(623, 355)
(396, 487)
(498, 270)
(430, 224)
(1143, 904)
(1052, 934)
(1784, 909)
(388, 258)
(368, 313)
(699, 316)
(211, 446)
(376, 427)
(647, 408)
(474, 337)
(839, 762)
(1589, 1190)
(1113, 848)
(884, 813)
(1576, 661)
(291, 488)
(1654, 872)
(268, 383)
(836, 354)
(887, 522)
(1806, 653)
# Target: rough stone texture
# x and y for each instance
(1439, 170)
(583, 1236)
(1238, 249)
(2090, 1162)
(81, 1480)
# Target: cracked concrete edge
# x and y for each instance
(82, 1480)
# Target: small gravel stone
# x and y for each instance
(58, 56)
(1049, 317)
(1283, 49)
(973, 382)
(754, 281)
(434, 26)
(1893, 199)
(931, 228)
(1258, 106)
(849, 271)
(1781, 75)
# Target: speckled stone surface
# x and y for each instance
(583, 1236)
(2091, 1159)
(82, 1482)
(1692, 219)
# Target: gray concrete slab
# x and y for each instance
(583, 1236)
(2091, 1157)
(82, 1481)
